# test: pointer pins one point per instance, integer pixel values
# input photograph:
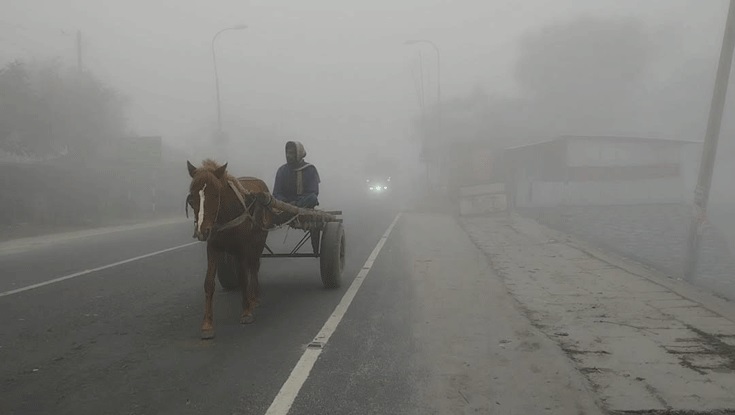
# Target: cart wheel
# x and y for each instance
(332, 254)
(227, 273)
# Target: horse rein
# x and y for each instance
(239, 220)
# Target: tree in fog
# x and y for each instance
(478, 116)
(586, 76)
(499, 121)
(683, 100)
(46, 109)
(583, 76)
(17, 102)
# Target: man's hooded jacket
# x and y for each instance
(298, 179)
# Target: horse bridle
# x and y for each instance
(188, 200)
(240, 219)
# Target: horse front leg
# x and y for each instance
(208, 323)
(247, 288)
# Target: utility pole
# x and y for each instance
(79, 50)
(709, 150)
(442, 152)
(219, 135)
(424, 141)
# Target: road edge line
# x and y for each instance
(12, 246)
(89, 271)
(289, 391)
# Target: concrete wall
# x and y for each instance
(604, 193)
(482, 199)
(585, 152)
(598, 172)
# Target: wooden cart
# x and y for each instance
(323, 228)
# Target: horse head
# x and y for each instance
(205, 195)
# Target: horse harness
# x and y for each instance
(239, 220)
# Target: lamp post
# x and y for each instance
(438, 75)
(216, 75)
(438, 87)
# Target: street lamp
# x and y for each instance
(216, 75)
(438, 74)
(438, 88)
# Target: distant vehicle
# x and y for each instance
(379, 185)
(378, 173)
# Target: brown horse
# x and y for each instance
(230, 220)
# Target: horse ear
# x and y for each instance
(191, 168)
(220, 172)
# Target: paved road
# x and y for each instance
(125, 339)
(424, 333)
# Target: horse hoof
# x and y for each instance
(247, 319)
(207, 334)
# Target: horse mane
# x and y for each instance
(251, 185)
(208, 167)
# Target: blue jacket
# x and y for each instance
(286, 187)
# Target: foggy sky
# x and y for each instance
(323, 71)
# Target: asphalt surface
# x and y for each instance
(431, 329)
(125, 340)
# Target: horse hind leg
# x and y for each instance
(253, 292)
(255, 282)
(255, 268)
(247, 287)
(256, 292)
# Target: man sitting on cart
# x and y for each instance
(297, 183)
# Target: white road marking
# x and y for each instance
(24, 244)
(89, 271)
(286, 396)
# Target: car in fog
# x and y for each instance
(378, 186)
(378, 173)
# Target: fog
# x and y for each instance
(326, 72)
(339, 77)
